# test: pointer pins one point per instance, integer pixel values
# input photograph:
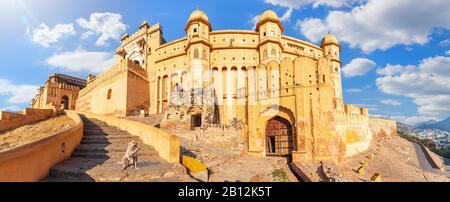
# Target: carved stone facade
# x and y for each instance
(59, 92)
(236, 78)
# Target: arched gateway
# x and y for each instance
(65, 102)
(279, 137)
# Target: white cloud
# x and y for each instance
(18, 93)
(287, 15)
(254, 20)
(12, 109)
(292, 5)
(448, 52)
(427, 84)
(381, 24)
(392, 70)
(81, 60)
(358, 90)
(358, 67)
(412, 120)
(312, 28)
(87, 34)
(391, 102)
(336, 3)
(297, 4)
(354, 90)
(445, 42)
(107, 25)
(45, 36)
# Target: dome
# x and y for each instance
(198, 14)
(329, 39)
(269, 15)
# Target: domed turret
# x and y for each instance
(268, 16)
(329, 39)
(331, 49)
(198, 16)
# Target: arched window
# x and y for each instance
(273, 52)
(215, 75)
(224, 81)
(108, 97)
(234, 80)
(204, 55)
(196, 54)
(265, 54)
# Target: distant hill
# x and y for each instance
(441, 125)
(403, 126)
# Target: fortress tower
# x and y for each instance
(270, 31)
(332, 48)
(198, 49)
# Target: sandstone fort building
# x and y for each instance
(283, 94)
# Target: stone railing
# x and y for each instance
(11, 120)
(31, 162)
(167, 145)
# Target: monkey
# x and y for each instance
(131, 158)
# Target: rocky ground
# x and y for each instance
(395, 159)
(233, 166)
(33, 132)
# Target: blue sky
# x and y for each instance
(396, 58)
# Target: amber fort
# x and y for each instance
(285, 93)
(256, 92)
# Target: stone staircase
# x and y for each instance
(98, 158)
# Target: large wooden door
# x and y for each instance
(279, 137)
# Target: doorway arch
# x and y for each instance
(65, 102)
(279, 137)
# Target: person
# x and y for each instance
(131, 156)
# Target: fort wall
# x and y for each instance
(11, 120)
(31, 162)
(120, 91)
(383, 127)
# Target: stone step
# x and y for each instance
(103, 154)
(107, 141)
(107, 171)
(104, 133)
(95, 125)
(121, 148)
(109, 137)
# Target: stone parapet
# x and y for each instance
(11, 120)
(31, 162)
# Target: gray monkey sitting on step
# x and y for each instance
(131, 158)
